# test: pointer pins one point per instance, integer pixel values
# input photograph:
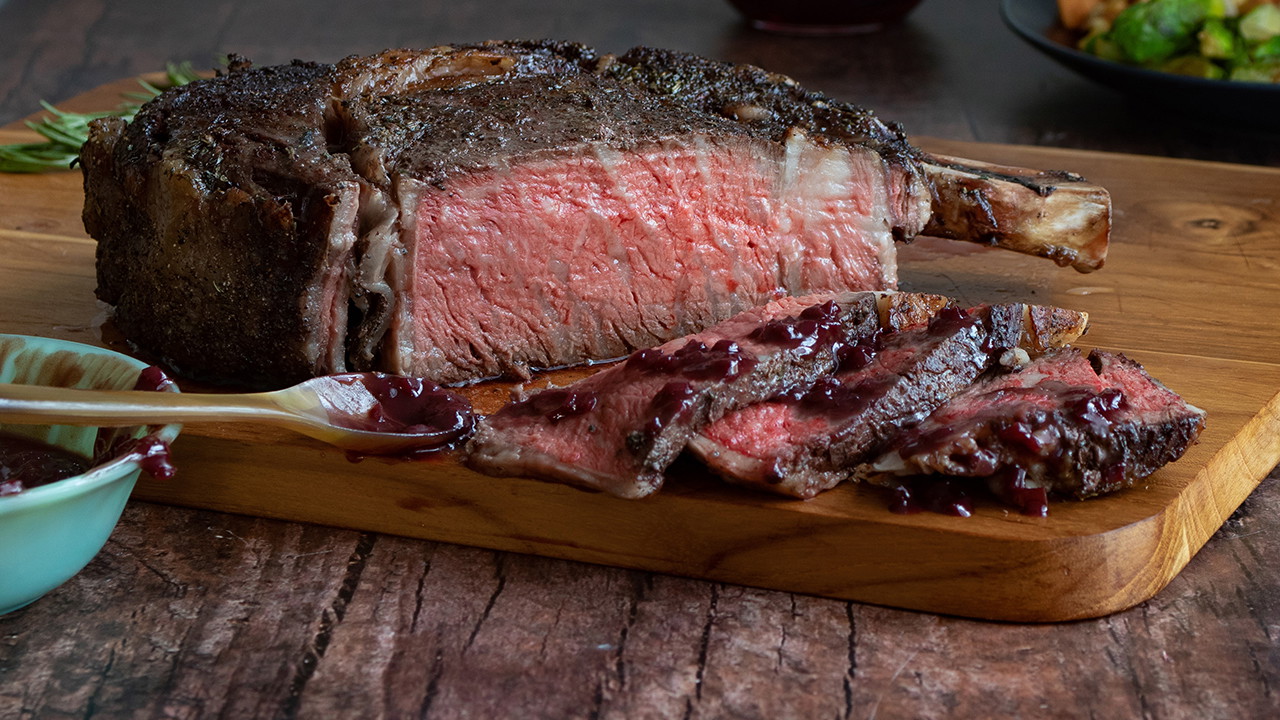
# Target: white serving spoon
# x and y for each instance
(368, 413)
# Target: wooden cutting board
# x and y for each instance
(1191, 290)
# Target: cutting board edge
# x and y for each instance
(1050, 579)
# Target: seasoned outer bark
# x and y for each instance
(435, 134)
(219, 239)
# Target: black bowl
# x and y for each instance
(822, 17)
(1036, 21)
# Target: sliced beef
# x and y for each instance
(463, 212)
(619, 429)
(812, 438)
(1063, 425)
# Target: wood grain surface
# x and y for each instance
(192, 613)
(1086, 559)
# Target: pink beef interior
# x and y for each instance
(763, 431)
(595, 253)
(770, 429)
(1145, 395)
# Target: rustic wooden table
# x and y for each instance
(200, 614)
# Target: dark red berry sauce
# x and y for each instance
(410, 406)
(724, 361)
(556, 404)
(813, 328)
(26, 463)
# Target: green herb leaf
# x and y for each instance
(65, 132)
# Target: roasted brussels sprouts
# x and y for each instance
(1231, 39)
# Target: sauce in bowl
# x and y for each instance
(26, 463)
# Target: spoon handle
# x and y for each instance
(34, 404)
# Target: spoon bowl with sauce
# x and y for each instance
(63, 487)
(364, 413)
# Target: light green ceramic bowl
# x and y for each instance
(50, 532)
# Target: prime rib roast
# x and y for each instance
(486, 210)
(467, 212)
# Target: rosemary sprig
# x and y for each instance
(65, 132)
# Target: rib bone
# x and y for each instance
(1052, 214)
